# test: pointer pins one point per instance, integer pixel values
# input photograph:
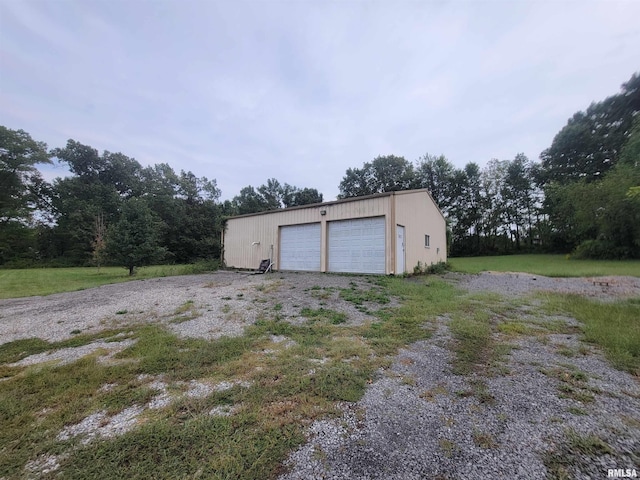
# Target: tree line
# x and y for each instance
(112, 210)
(582, 197)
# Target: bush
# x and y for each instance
(433, 269)
(601, 250)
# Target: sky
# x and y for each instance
(242, 91)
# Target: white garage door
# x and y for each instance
(357, 246)
(300, 247)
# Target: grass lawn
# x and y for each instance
(45, 281)
(547, 265)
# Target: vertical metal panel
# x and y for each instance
(420, 216)
(400, 251)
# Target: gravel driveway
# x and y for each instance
(416, 420)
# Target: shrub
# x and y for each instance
(433, 269)
(601, 250)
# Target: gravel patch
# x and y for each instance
(101, 425)
(514, 284)
(64, 356)
(223, 304)
(419, 420)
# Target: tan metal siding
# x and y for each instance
(419, 215)
(241, 232)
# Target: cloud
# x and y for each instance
(301, 91)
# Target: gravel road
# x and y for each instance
(417, 420)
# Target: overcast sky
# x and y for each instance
(242, 91)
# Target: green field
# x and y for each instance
(547, 265)
(45, 281)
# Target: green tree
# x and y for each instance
(600, 218)
(20, 181)
(388, 173)
(436, 174)
(272, 196)
(133, 241)
(303, 196)
(519, 198)
(97, 188)
(22, 192)
(591, 142)
(249, 201)
(467, 210)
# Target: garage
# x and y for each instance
(300, 247)
(357, 246)
(386, 233)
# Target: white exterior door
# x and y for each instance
(300, 247)
(400, 251)
(357, 246)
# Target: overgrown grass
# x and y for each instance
(329, 315)
(473, 326)
(614, 326)
(45, 281)
(548, 265)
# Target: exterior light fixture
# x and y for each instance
(323, 212)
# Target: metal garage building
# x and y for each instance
(387, 233)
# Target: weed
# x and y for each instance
(358, 297)
(448, 447)
(409, 380)
(431, 269)
(185, 312)
(484, 440)
(331, 316)
(430, 394)
(277, 307)
(321, 295)
(185, 307)
(576, 411)
(566, 351)
(270, 286)
(572, 383)
(515, 328)
(121, 312)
